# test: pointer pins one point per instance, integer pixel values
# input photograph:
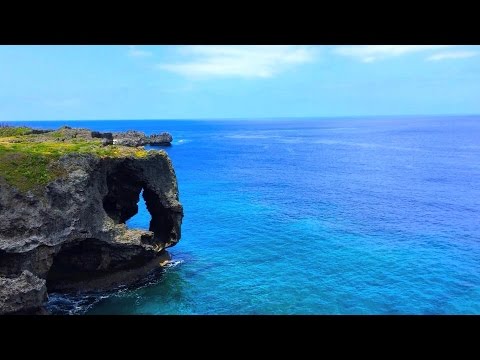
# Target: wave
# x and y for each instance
(182, 141)
(173, 263)
(78, 304)
(72, 304)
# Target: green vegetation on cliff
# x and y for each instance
(13, 131)
(29, 161)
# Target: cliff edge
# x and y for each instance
(65, 196)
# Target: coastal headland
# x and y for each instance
(65, 197)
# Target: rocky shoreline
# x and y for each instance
(137, 138)
(62, 224)
(130, 138)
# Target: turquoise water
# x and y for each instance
(317, 216)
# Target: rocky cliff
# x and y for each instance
(137, 138)
(62, 224)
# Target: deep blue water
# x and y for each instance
(325, 216)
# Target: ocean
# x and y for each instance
(313, 216)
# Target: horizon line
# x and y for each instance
(244, 118)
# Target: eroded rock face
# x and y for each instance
(24, 293)
(130, 138)
(160, 139)
(137, 138)
(68, 133)
(74, 234)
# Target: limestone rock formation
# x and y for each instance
(130, 138)
(160, 139)
(23, 293)
(72, 235)
(137, 138)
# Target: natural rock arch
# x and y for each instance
(74, 235)
(121, 202)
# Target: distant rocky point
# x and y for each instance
(137, 138)
(131, 138)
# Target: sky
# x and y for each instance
(103, 82)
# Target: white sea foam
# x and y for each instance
(76, 304)
(72, 304)
(181, 141)
(173, 263)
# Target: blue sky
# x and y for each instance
(190, 82)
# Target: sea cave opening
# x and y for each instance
(121, 201)
(142, 219)
(131, 201)
(85, 260)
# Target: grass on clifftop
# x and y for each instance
(29, 162)
(13, 131)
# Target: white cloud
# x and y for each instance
(371, 53)
(238, 60)
(452, 55)
(134, 51)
